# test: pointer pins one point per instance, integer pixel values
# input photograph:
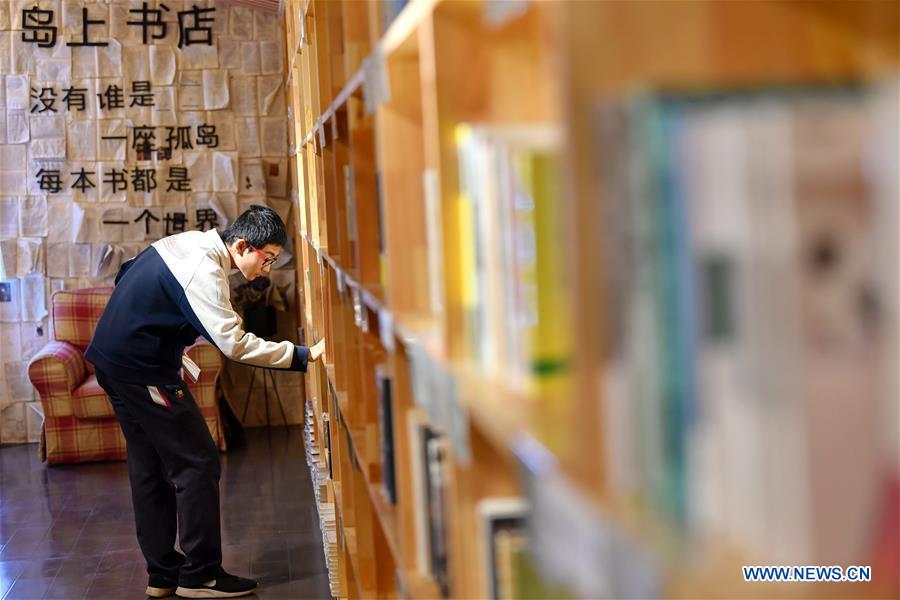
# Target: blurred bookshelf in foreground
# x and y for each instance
(610, 291)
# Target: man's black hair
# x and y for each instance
(259, 225)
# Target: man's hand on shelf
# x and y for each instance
(317, 351)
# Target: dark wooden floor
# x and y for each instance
(67, 532)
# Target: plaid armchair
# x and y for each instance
(79, 422)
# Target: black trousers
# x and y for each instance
(173, 465)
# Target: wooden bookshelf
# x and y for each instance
(384, 264)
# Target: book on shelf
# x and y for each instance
(510, 571)
(327, 426)
(436, 457)
(350, 199)
(514, 273)
(883, 161)
(739, 234)
(382, 242)
(428, 455)
(503, 529)
(386, 431)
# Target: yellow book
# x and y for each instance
(551, 341)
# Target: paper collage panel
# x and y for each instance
(106, 148)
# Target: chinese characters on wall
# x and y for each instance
(194, 26)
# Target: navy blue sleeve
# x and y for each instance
(301, 359)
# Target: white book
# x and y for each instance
(839, 323)
(769, 319)
(723, 448)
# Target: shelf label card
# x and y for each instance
(574, 544)
(339, 279)
(386, 329)
(376, 84)
(497, 13)
(357, 307)
(419, 373)
(458, 425)
(301, 20)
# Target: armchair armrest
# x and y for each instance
(56, 370)
(209, 359)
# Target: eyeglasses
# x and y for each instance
(268, 261)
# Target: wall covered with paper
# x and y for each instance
(121, 123)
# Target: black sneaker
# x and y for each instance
(160, 587)
(223, 586)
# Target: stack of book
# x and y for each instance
(746, 321)
(515, 282)
(318, 468)
(330, 545)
